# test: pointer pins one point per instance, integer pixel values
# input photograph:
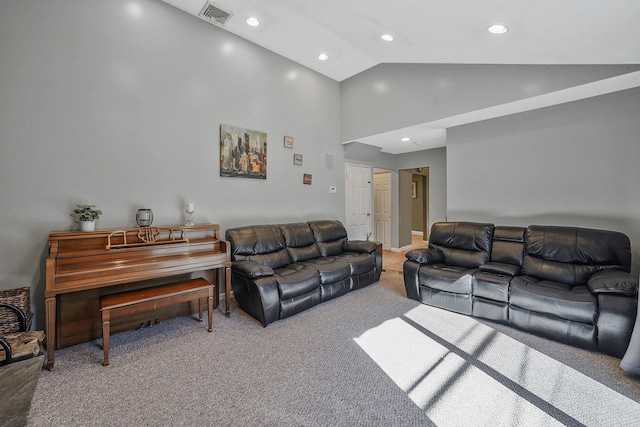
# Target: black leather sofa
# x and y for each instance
(564, 283)
(280, 270)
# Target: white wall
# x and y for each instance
(119, 103)
(575, 164)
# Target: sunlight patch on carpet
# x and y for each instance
(440, 382)
(462, 372)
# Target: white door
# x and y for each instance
(382, 209)
(358, 201)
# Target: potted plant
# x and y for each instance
(87, 216)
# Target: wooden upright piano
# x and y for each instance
(82, 266)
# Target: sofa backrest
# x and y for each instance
(329, 235)
(463, 244)
(300, 242)
(571, 255)
(508, 245)
(261, 243)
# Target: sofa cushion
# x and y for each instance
(491, 286)
(359, 263)
(300, 242)
(509, 234)
(507, 246)
(331, 269)
(260, 243)
(571, 255)
(329, 236)
(507, 252)
(446, 278)
(296, 279)
(575, 303)
(464, 244)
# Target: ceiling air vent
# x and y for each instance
(212, 14)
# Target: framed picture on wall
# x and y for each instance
(297, 159)
(414, 189)
(288, 142)
(243, 153)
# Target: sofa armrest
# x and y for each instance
(500, 268)
(613, 282)
(425, 256)
(361, 246)
(251, 269)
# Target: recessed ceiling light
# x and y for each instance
(387, 37)
(253, 21)
(405, 139)
(323, 57)
(498, 29)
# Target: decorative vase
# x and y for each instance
(144, 217)
(87, 225)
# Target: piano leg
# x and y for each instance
(210, 310)
(106, 332)
(51, 330)
(227, 291)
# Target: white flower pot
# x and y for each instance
(87, 225)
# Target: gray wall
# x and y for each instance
(104, 107)
(392, 96)
(579, 160)
(574, 164)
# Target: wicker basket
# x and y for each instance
(21, 298)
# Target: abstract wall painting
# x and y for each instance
(243, 153)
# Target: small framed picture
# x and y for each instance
(297, 159)
(306, 179)
(288, 142)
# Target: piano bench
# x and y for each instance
(142, 300)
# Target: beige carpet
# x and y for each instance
(369, 358)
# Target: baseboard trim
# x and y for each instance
(402, 249)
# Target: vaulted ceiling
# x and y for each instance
(434, 31)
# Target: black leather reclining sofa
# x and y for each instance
(280, 270)
(564, 283)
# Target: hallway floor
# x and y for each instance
(392, 261)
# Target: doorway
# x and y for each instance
(382, 208)
(393, 209)
(420, 202)
(358, 201)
